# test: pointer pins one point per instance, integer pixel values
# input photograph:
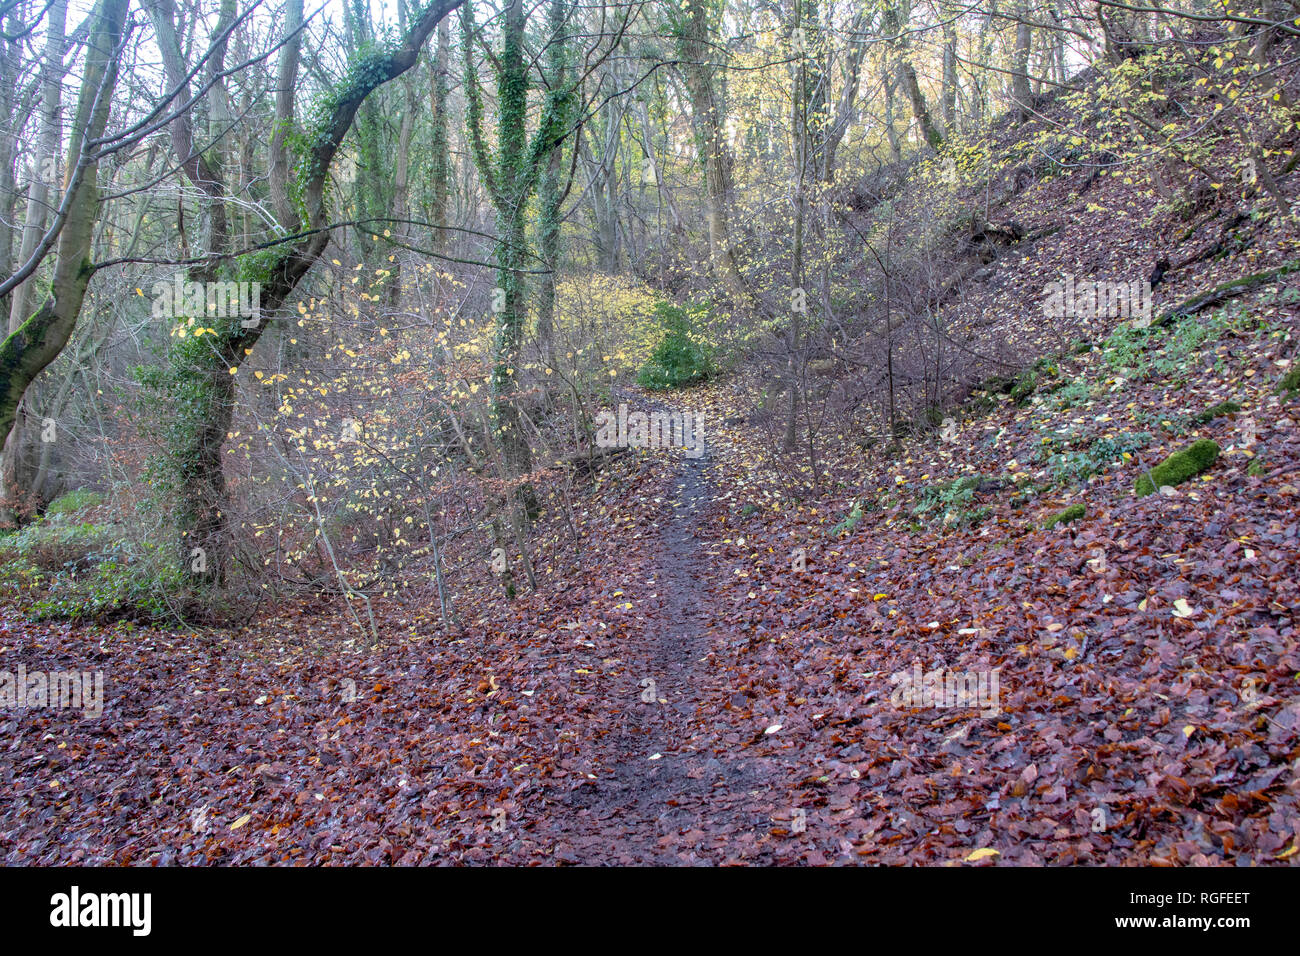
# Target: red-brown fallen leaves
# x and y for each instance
(1147, 710)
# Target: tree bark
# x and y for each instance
(1021, 97)
(38, 341)
(286, 78)
(894, 24)
(699, 74)
(203, 380)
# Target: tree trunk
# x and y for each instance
(202, 373)
(38, 341)
(551, 192)
(512, 239)
(41, 187)
(698, 72)
(286, 78)
(949, 99)
(1020, 93)
(894, 24)
(510, 176)
(15, 461)
(440, 165)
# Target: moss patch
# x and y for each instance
(1215, 411)
(1290, 383)
(1072, 513)
(74, 501)
(1178, 467)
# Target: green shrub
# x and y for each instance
(115, 589)
(1172, 422)
(19, 576)
(1178, 467)
(56, 545)
(1164, 350)
(1290, 383)
(1024, 388)
(1072, 513)
(81, 571)
(680, 358)
(1067, 396)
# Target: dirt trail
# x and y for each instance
(643, 808)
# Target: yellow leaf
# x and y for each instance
(241, 821)
(982, 854)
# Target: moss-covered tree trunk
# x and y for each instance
(551, 190)
(510, 176)
(439, 159)
(20, 467)
(201, 392)
(201, 377)
(512, 239)
(39, 340)
(895, 21)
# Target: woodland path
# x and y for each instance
(652, 809)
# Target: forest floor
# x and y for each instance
(1149, 672)
(768, 734)
(198, 726)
